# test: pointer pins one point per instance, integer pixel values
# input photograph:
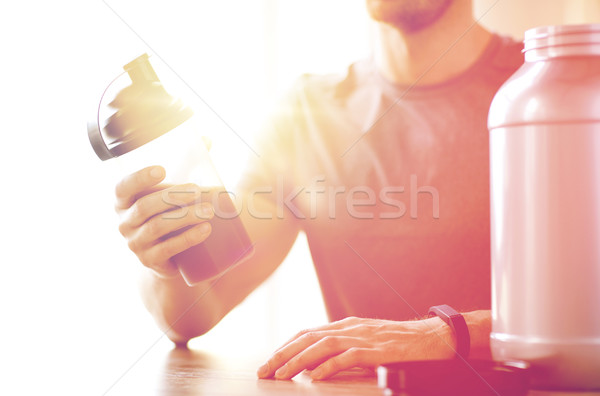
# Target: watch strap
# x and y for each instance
(458, 325)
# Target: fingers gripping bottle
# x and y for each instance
(142, 126)
(545, 205)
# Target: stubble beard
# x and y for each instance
(409, 16)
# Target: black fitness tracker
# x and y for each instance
(454, 377)
(458, 325)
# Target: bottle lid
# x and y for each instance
(143, 111)
(561, 40)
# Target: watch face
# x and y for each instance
(455, 377)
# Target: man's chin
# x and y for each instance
(409, 16)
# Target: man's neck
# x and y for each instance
(434, 54)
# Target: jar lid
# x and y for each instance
(561, 40)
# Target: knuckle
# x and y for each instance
(189, 238)
(299, 362)
(123, 229)
(120, 189)
(176, 244)
(138, 209)
(153, 228)
(134, 210)
(354, 353)
(277, 356)
(330, 342)
(139, 178)
(310, 337)
(364, 355)
(333, 364)
(143, 257)
(301, 333)
(133, 245)
(124, 187)
(366, 329)
(149, 261)
(165, 250)
(393, 347)
(182, 212)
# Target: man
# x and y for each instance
(386, 170)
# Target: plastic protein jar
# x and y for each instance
(544, 127)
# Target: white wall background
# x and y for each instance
(68, 300)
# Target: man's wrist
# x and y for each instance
(480, 326)
(459, 328)
(443, 340)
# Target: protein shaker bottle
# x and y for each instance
(544, 127)
(143, 125)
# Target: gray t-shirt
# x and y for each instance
(390, 184)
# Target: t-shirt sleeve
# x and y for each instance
(276, 148)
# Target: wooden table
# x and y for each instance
(186, 372)
(183, 372)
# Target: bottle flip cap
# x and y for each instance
(144, 111)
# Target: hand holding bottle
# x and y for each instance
(160, 221)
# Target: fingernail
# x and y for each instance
(317, 373)
(281, 372)
(262, 371)
(157, 172)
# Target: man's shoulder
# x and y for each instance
(361, 80)
(335, 85)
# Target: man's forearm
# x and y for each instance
(182, 312)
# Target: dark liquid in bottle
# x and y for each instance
(227, 244)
